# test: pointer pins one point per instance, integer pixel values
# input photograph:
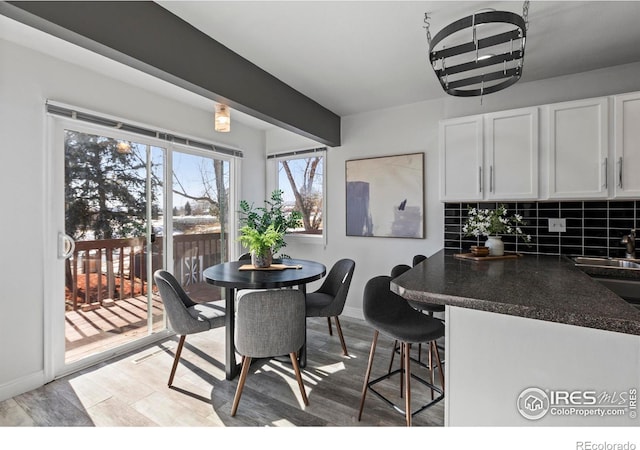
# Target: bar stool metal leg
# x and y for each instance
(439, 362)
(393, 354)
(368, 373)
(402, 367)
(407, 381)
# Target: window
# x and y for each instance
(300, 175)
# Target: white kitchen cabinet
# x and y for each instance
(461, 159)
(578, 149)
(626, 153)
(511, 155)
(490, 157)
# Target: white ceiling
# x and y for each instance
(356, 56)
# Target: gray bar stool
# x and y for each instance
(390, 314)
(427, 308)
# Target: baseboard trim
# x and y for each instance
(21, 385)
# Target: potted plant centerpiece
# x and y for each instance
(494, 223)
(263, 228)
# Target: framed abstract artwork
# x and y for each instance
(385, 196)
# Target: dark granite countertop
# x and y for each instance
(540, 287)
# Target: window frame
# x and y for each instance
(273, 164)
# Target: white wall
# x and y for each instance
(406, 129)
(414, 128)
(27, 79)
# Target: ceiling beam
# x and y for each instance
(146, 36)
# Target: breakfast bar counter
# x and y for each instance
(530, 341)
(540, 287)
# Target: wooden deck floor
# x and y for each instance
(97, 330)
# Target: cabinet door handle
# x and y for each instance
(606, 173)
(490, 178)
(620, 173)
(480, 178)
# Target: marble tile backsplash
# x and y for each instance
(593, 228)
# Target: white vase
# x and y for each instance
(496, 246)
(262, 261)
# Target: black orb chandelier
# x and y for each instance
(479, 54)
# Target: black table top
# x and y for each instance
(228, 275)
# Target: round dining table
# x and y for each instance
(236, 275)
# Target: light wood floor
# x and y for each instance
(132, 390)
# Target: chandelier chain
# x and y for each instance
(427, 27)
(525, 14)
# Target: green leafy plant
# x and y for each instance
(269, 218)
(257, 242)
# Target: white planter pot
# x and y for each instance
(496, 246)
(262, 261)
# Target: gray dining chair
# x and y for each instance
(269, 323)
(186, 316)
(329, 299)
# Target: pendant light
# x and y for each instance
(123, 147)
(222, 118)
(481, 53)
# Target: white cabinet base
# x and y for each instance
(492, 358)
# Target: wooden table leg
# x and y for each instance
(231, 365)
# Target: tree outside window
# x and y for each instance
(301, 179)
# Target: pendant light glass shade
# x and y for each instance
(123, 147)
(222, 119)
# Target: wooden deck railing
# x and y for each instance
(192, 253)
(104, 270)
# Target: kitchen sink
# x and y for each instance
(622, 276)
(607, 262)
(628, 290)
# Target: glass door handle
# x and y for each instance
(66, 246)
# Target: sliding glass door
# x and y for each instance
(113, 206)
(124, 206)
(200, 219)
